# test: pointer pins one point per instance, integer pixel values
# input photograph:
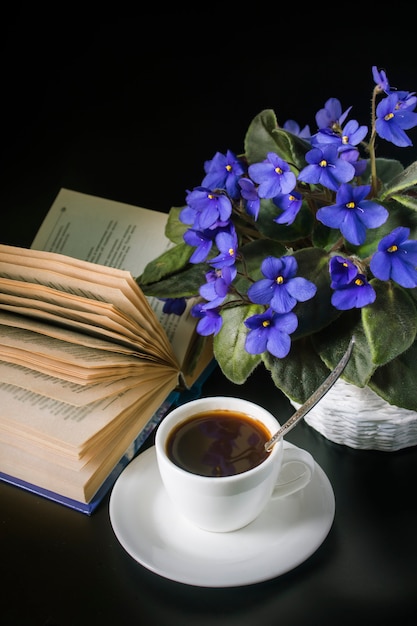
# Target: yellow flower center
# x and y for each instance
(210, 196)
(278, 170)
(350, 205)
(359, 282)
(345, 139)
(393, 248)
(231, 252)
(389, 117)
(323, 163)
(229, 168)
(279, 280)
(291, 198)
(266, 323)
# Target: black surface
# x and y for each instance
(90, 104)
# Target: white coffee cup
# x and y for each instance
(227, 503)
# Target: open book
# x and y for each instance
(86, 360)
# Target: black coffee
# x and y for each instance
(218, 443)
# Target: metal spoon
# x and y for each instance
(313, 399)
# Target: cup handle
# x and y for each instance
(296, 471)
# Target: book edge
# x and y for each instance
(175, 398)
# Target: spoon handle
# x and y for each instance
(313, 399)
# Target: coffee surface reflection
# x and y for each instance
(218, 443)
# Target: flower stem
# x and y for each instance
(371, 145)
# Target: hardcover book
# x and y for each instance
(88, 364)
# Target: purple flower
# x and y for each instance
(380, 79)
(210, 320)
(188, 215)
(352, 155)
(250, 195)
(293, 127)
(270, 331)
(223, 172)
(281, 288)
(290, 204)
(342, 271)
(353, 134)
(396, 258)
(211, 209)
(325, 136)
(273, 176)
(356, 294)
(345, 139)
(174, 305)
(227, 244)
(393, 119)
(202, 241)
(331, 115)
(352, 214)
(326, 168)
(217, 286)
(406, 100)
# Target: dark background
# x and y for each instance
(129, 107)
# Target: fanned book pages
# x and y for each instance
(88, 363)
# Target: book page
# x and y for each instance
(64, 390)
(79, 480)
(71, 478)
(113, 234)
(73, 362)
(75, 431)
(55, 277)
(84, 359)
(102, 231)
(104, 324)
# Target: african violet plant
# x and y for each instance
(299, 243)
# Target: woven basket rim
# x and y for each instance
(359, 418)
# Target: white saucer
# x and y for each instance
(147, 526)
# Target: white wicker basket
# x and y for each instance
(361, 419)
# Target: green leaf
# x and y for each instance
(318, 312)
(406, 200)
(183, 284)
(396, 381)
(254, 253)
(311, 359)
(249, 265)
(325, 237)
(198, 346)
(386, 170)
(175, 229)
(169, 262)
(403, 181)
(301, 228)
(398, 216)
(264, 135)
(258, 140)
(390, 323)
(300, 373)
(413, 295)
(332, 342)
(229, 344)
(290, 147)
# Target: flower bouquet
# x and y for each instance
(299, 242)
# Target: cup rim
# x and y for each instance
(160, 438)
